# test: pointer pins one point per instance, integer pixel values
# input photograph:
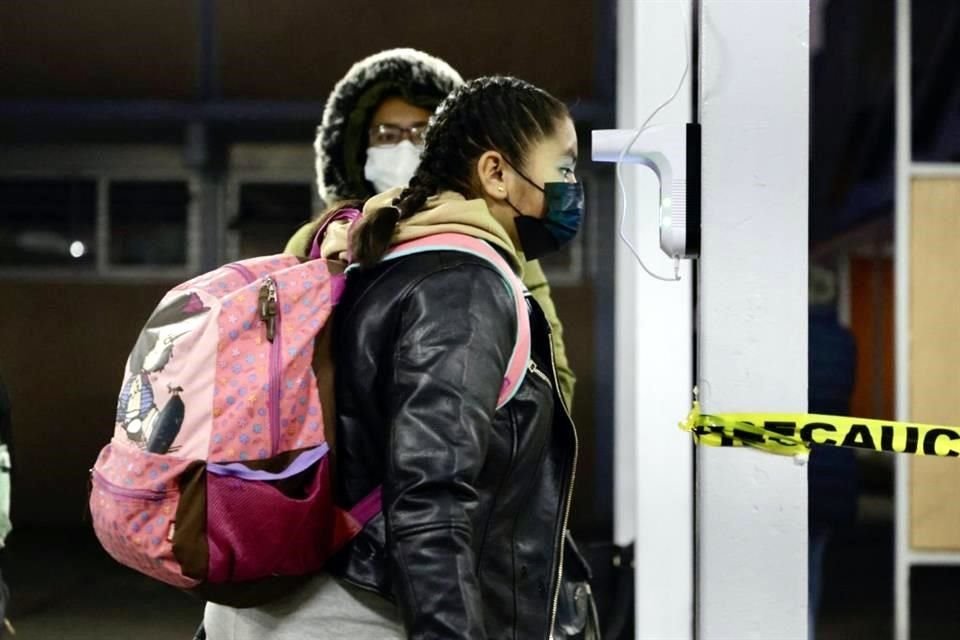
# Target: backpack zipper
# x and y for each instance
(138, 494)
(269, 310)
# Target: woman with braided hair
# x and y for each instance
(370, 140)
(471, 540)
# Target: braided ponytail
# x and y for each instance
(375, 231)
(495, 113)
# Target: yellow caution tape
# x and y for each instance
(793, 433)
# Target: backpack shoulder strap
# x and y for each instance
(348, 214)
(520, 358)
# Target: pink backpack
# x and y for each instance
(217, 479)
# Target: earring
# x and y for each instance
(500, 188)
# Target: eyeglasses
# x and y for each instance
(383, 135)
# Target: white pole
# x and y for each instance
(654, 371)
(902, 317)
(752, 507)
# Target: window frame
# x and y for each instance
(265, 164)
(105, 164)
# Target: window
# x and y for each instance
(268, 213)
(48, 222)
(100, 225)
(148, 223)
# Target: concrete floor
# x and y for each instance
(65, 587)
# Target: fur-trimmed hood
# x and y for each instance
(341, 142)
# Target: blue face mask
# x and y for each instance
(559, 225)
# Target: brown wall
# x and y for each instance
(62, 353)
(531, 39)
(282, 49)
(871, 321)
(97, 49)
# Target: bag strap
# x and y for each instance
(338, 280)
(348, 213)
(520, 358)
(371, 505)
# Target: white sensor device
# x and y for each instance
(673, 153)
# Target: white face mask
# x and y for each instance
(393, 166)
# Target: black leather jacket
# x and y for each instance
(475, 500)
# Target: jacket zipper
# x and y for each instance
(535, 370)
(573, 478)
(138, 494)
(269, 309)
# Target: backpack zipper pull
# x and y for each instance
(268, 307)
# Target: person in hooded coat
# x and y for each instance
(370, 140)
